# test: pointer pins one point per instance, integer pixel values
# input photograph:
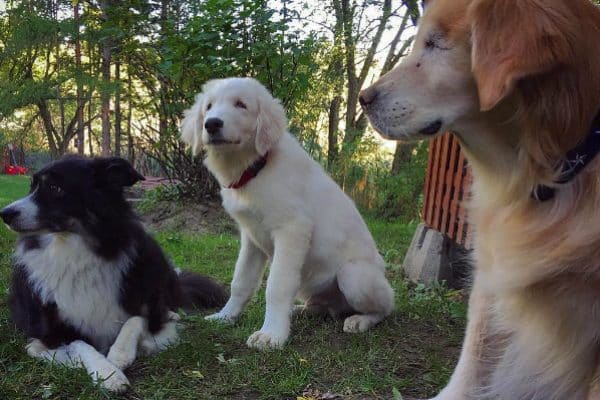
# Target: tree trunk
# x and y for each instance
(80, 99)
(352, 80)
(90, 134)
(105, 93)
(332, 130)
(93, 70)
(118, 109)
(355, 127)
(130, 153)
(163, 123)
(49, 129)
(336, 71)
(402, 156)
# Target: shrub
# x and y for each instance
(365, 173)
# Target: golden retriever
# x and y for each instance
(289, 212)
(518, 82)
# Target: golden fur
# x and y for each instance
(518, 82)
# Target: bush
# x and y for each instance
(400, 194)
(192, 178)
(365, 173)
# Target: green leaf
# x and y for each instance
(396, 394)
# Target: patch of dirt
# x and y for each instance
(192, 218)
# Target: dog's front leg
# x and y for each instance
(291, 245)
(469, 374)
(98, 366)
(80, 353)
(124, 350)
(248, 271)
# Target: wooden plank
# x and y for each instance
(446, 187)
(455, 204)
(447, 217)
(434, 177)
(468, 240)
(462, 225)
(441, 183)
(427, 186)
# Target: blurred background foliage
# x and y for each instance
(113, 78)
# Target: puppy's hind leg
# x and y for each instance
(368, 292)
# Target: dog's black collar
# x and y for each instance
(576, 160)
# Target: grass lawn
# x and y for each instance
(412, 352)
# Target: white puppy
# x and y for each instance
(289, 212)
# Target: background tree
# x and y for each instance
(108, 72)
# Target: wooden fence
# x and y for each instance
(447, 184)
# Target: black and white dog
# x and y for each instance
(89, 285)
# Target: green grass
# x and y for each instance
(413, 351)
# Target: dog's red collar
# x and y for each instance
(250, 172)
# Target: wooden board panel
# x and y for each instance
(447, 186)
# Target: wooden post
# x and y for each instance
(438, 247)
(446, 187)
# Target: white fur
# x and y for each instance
(292, 214)
(28, 213)
(79, 353)
(85, 289)
(134, 334)
(124, 350)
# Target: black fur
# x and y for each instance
(85, 197)
(37, 320)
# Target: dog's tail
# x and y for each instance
(199, 291)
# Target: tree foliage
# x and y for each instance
(113, 77)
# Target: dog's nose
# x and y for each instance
(367, 96)
(9, 214)
(213, 125)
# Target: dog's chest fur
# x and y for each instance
(84, 287)
(250, 219)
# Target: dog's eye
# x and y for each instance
(430, 44)
(209, 106)
(55, 189)
(240, 104)
(436, 41)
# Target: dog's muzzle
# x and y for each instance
(9, 214)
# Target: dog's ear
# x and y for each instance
(116, 172)
(513, 40)
(271, 122)
(191, 125)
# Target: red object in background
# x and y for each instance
(15, 170)
(11, 166)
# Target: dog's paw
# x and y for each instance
(35, 347)
(113, 380)
(121, 357)
(222, 318)
(357, 323)
(263, 340)
(173, 316)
